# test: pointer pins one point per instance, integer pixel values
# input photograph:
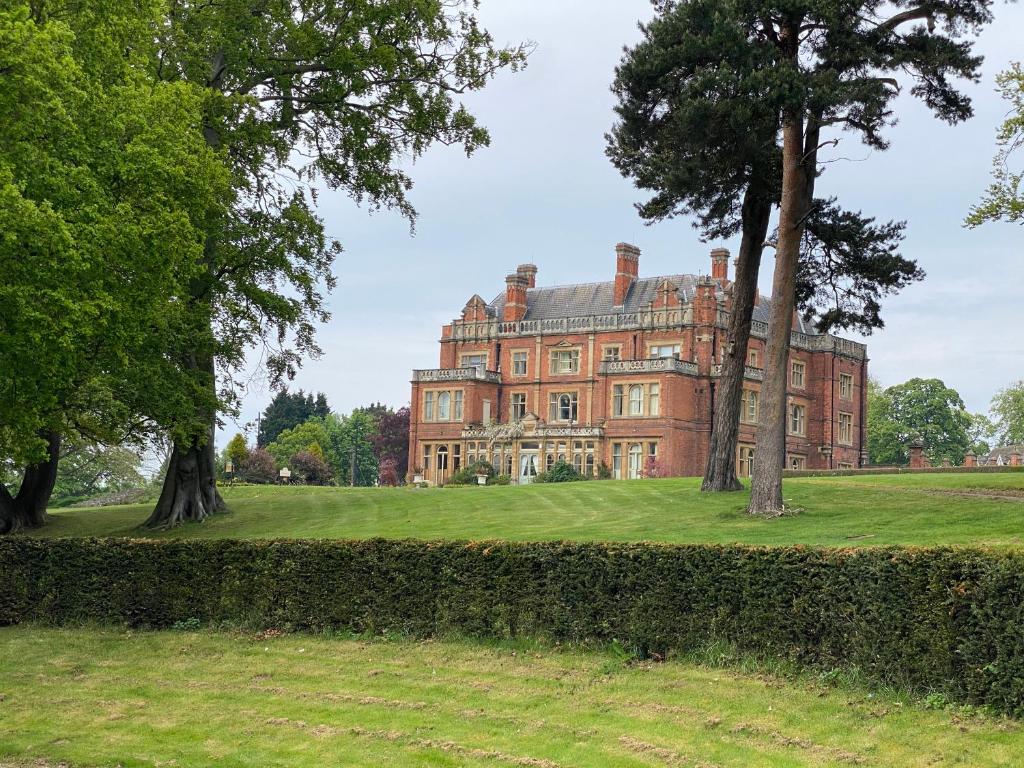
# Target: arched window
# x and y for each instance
(636, 400)
(442, 457)
(444, 406)
(577, 462)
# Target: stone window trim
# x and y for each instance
(611, 352)
(557, 357)
(796, 461)
(557, 407)
(660, 346)
(746, 406)
(846, 386)
(796, 419)
(845, 428)
(443, 405)
(623, 399)
(463, 363)
(798, 374)
(517, 405)
(752, 358)
(744, 460)
(524, 359)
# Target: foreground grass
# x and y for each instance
(106, 697)
(952, 509)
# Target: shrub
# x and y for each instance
(604, 472)
(310, 468)
(259, 467)
(388, 473)
(560, 472)
(467, 475)
(500, 480)
(944, 621)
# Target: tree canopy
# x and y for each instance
(924, 409)
(1008, 413)
(1004, 200)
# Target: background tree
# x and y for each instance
(303, 92)
(391, 441)
(288, 410)
(88, 468)
(834, 67)
(236, 451)
(310, 433)
(310, 468)
(1004, 200)
(259, 467)
(351, 452)
(1008, 413)
(980, 433)
(924, 408)
(105, 179)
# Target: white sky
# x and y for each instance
(545, 192)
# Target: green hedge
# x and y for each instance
(988, 469)
(933, 619)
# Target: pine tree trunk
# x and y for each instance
(189, 493)
(28, 508)
(720, 473)
(799, 163)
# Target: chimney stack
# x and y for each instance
(720, 264)
(627, 267)
(529, 271)
(515, 297)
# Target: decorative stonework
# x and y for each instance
(655, 365)
(472, 373)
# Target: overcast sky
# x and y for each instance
(544, 192)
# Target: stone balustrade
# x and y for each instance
(654, 365)
(472, 373)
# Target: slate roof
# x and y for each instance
(1004, 451)
(584, 299)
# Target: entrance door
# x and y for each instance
(527, 467)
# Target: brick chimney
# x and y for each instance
(529, 271)
(720, 264)
(627, 267)
(515, 297)
(705, 304)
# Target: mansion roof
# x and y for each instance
(585, 299)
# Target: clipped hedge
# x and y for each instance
(949, 620)
(987, 469)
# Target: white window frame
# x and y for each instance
(846, 386)
(514, 406)
(525, 361)
(797, 422)
(801, 366)
(564, 362)
(845, 425)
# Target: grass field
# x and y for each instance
(952, 509)
(90, 697)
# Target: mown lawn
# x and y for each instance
(90, 697)
(952, 509)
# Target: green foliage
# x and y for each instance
(919, 408)
(237, 451)
(936, 620)
(288, 410)
(311, 432)
(467, 475)
(101, 217)
(350, 439)
(1004, 200)
(604, 472)
(560, 472)
(1008, 410)
(88, 468)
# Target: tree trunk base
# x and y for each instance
(28, 509)
(189, 494)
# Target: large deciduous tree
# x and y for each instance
(105, 179)
(836, 66)
(337, 92)
(924, 409)
(1008, 415)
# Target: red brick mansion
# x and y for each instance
(620, 373)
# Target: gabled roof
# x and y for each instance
(584, 299)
